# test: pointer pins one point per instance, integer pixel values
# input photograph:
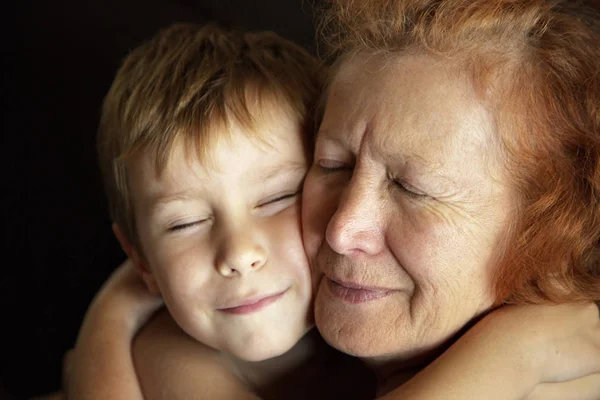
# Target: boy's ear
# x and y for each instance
(140, 264)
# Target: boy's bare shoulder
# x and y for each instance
(162, 335)
(172, 365)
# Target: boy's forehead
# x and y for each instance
(272, 129)
(276, 142)
(233, 170)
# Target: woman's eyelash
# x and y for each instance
(330, 165)
(408, 189)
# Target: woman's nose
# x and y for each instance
(241, 253)
(355, 227)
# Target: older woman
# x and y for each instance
(457, 167)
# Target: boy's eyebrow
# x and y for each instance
(189, 194)
(286, 169)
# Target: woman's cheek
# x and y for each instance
(318, 205)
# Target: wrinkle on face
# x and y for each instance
(417, 121)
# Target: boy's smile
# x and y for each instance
(252, 303)
(220, 237)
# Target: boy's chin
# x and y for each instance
(266, 348)
(263, 353)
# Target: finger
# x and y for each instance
(586, 388)
(67, 366)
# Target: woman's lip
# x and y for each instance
(354, 293)
(254, 304)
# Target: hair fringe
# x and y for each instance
(193, 83)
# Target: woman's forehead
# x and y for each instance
(415, 104)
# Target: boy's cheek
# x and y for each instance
(287, 237)
(287, 248)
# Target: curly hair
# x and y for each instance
(536, 64)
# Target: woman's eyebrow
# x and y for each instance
(329, 137)
(422, 169)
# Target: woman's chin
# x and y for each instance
(371, 331)
(348, 329)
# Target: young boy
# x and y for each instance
(204, 142)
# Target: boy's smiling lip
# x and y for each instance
(252, 304)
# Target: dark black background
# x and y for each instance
(58, 61)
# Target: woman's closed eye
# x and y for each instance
(408, 189)
(332, 165)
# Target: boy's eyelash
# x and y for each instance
(280, 198)
(181, 227)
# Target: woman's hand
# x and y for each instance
(569, 337)
(563, 340)
(541, 352)
(559, 346)
(586, 388)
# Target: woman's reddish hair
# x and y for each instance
(537, 65)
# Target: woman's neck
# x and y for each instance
(392, 372)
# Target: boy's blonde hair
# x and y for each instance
(193, 83)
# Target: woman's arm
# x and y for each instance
(517, 352)
(101, 366)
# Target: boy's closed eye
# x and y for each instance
(276, 203)
(185, 225)
(278, 198)
(270, 206)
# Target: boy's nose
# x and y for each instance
(241, 255)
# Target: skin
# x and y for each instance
(403, 208)
(210, 234)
